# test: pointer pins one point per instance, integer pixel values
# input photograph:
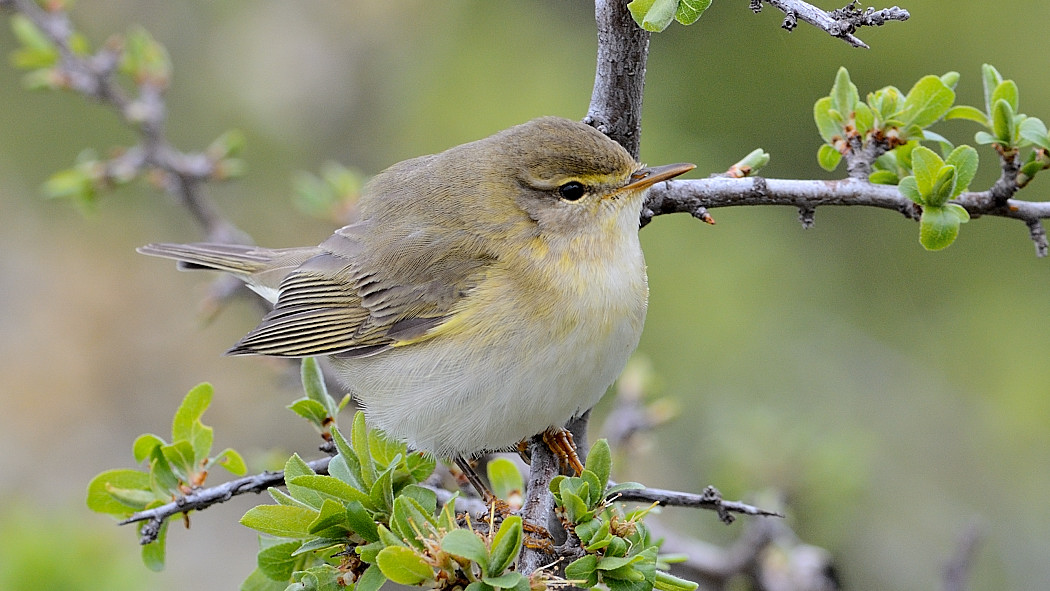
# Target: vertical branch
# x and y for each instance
(619, 78)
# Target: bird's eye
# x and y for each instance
(572, 191)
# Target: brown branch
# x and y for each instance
(619, 77)
(709, 499)
(841, 23)
(697, 196)
(203, 498)
(957, 570)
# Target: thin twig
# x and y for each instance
(957, 570)
(691, 196)
(841, 23)
(709, 499)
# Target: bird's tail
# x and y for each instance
(263, 268)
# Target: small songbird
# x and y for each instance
(488, 293)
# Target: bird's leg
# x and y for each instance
(561, 443)
(474, 480)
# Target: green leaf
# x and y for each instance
(294, 468)
(387, 537)
(583, 570)
(1034, 131)
(942, 187)
(145, 60)
(311, 410)
(153, 553)
(313, 384)
(926, 165)
(615, 562)
(282, 521)
(969, 113)
(863, 118)
(328, 487)
(926, 102)
(101, 501)
(371, 580)
(36, 51)
(938, 227)
(950, 79)
(420, 465)
(668, 582)
(504, 477)
(959, 212)
(409, 520)
(1003, 121)
(964, 159)
(277, 562)
(257, 581)
(361, 522)
(689, 11)
(1007, 91)
(143, 446)
(402, 565)
(507, 580)
(599, 461)
(506, 545)
(346, 459)
(187, 416)
(991, 79)
(465, 544)
(983, 138)
(883, 177)
(828, 126)
(320, 544)
(330, 521)
(595, 490)
(232, 461)
(828, 157)
(359, 442)
(425, 498)
(910, 189)
(653, 15)
(844, 94)
(181, 458)
(587, 530)
(382, 492)
(162, 477)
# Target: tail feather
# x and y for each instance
(263, 268)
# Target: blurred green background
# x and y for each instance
(896, 396)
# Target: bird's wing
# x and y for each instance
(347, 302)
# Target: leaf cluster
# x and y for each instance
(887, 128)
(657, 15)
(619, 551)
(172, 469)
(1005, 127)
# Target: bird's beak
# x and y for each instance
(644, 178)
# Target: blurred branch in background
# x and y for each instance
(841, 23)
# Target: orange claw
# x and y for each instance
(561, 443)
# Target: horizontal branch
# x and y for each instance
(709, 499)
(696, 196)
(841, 23)
(206, 497)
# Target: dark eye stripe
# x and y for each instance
(572, 191)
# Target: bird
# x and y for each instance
(486, 294)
